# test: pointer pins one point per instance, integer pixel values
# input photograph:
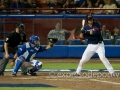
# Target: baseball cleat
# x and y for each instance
(13, 74)
(31, 73)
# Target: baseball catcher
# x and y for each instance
(27, 52)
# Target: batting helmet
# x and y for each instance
(89, 17)
(34, 38)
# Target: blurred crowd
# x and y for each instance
(52, 5)
(73, 36)
(107, 4)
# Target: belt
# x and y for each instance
(99, 42)
(96, 43)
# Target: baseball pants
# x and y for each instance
(90, 51)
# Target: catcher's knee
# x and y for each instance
(21, 59)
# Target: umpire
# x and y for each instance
(11, 43)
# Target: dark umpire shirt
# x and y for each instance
(96, 37)
(13, 39)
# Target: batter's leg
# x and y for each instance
(89, 52)
(101, 53)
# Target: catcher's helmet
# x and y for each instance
(89, 17)
(34, 38)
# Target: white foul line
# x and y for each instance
(105, 81)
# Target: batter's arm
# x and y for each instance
(96, 30)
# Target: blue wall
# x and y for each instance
(74, 51)
(58, 16)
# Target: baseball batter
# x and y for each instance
(92, 32)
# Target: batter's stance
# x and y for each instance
(92, 32)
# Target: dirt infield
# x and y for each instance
(87, 80)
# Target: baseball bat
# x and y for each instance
(83, 22)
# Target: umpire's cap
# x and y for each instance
(89, 17)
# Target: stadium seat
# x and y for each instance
(107, 41)
(117, 42)
(74, 42)
(61, 42)
(67, 35)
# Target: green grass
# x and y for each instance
(74, 66)
(28, 88)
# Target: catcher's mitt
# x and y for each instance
(52, 41)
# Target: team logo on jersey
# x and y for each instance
(7, 39)
(32, 50)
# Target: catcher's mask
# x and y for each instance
(21, 27)
(35, 40)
